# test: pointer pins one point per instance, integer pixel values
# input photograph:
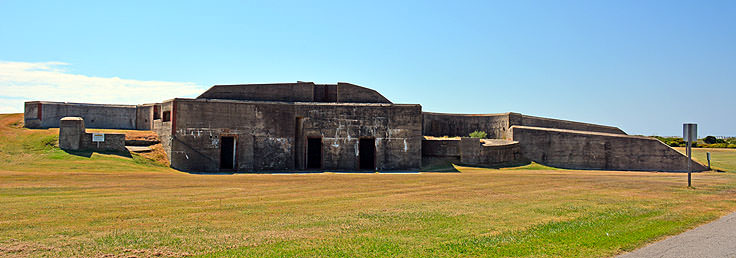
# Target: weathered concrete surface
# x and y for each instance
(471, 151)
(45, 114)
(527, 120)
(296, 92)
(144, 117)
(497, 125)
(273, 135)
(71, 131)
(73, 136)
(500, 151)
(443, 124)
(715, 239)
(592, 150)
(440, 151)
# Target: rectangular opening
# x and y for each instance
(314, 153)
(167, 116)
(156, 112)
(227, 152)
(367, 153)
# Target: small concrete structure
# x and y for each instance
(73, 137)
(71, 131)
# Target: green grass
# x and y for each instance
(63, 204)
(721, 159)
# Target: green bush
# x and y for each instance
(479, 134)
(712, 139)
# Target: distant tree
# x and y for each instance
(710, 139)
(479, 134)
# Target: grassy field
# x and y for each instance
(61, 204)
(721, 159)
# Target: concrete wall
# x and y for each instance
(73, 136)
(144, 117)
(444, 150)
(534, 121)
(593, 150)
(164, 129)
(268, 138)
(292, 92)
(497, 125)
(44, 114)
(443, 124)
(296, 92)
(471, 151)
(351, 93)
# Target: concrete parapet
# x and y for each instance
(594, 150)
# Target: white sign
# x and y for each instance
(98, 137)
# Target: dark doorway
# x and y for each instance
(314, 153)
(367, 151)
(227, 152)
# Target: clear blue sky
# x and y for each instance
(644, 66)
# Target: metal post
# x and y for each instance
(708, 156)
(689, 161)
(690, 135)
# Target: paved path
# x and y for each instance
(715, 239)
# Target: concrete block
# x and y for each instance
(71, 131)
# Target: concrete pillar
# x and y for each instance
(71, 131)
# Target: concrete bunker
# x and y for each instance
(308, 126)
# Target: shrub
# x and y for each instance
(712, 139)
(479, 134)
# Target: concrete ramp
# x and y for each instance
(594, 150)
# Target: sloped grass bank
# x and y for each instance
(37, 150)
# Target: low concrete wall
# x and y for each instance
(592, 150)
(471, 151)
(440, 150)
(73, 136)
(113, 142)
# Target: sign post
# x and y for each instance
(98, 138)
(708, 156)
(689, 134)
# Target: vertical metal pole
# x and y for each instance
(689, 160)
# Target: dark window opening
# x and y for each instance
(167, 116)
(367, 153)
(156, 112)
(227, 152)
(314, 153)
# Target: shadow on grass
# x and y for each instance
(88, 153)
